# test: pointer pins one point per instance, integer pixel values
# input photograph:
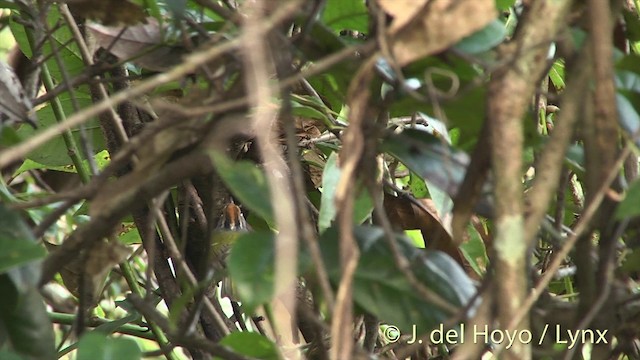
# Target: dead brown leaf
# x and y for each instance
(143, 44)
(108, 12)
(423, 27)
(101, 259)
(404, 215)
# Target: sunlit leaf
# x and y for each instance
(504, 4)
(421, 28)
(418, 186)
(474, 251)
(556, 74)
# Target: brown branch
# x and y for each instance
(583, 224)
(350, 156)
(307, 229)
(106, 219)
(258, 63)
(510, 92)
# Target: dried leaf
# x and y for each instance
(15, 106)
(108, 12)
(405, 215)
(101, 258)
(143, 44)
(423, 27)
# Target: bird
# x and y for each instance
(15, 105)
(231, 224)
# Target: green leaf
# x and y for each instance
(251, 267)
(418, 186)
(54, 152)
(631, 262)
(346, 15)
(114, 325)
(627, 115)
(575, 158)
(556, 74)
(630, 63)
(504, 4)
(330, 177)
(29, 164)
(63, 41)
(247, 183)
(474, 251)
(18, 252)
(306, 111)
(630, 206)
(429, 157)
(9, 136)
(97, 346)
(17, 242)
(469, 122)
(381, 289)
(627, 80)
(130, 234)
(251, 344)
(23, 317)
(484, 39)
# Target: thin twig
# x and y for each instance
(178, 260)
(258, 63)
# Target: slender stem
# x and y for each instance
(56, 106)
(128, 329)
(127, 273)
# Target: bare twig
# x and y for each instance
(178, 259)
(258, 65)
(350, 155)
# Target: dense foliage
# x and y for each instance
(328, 179)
